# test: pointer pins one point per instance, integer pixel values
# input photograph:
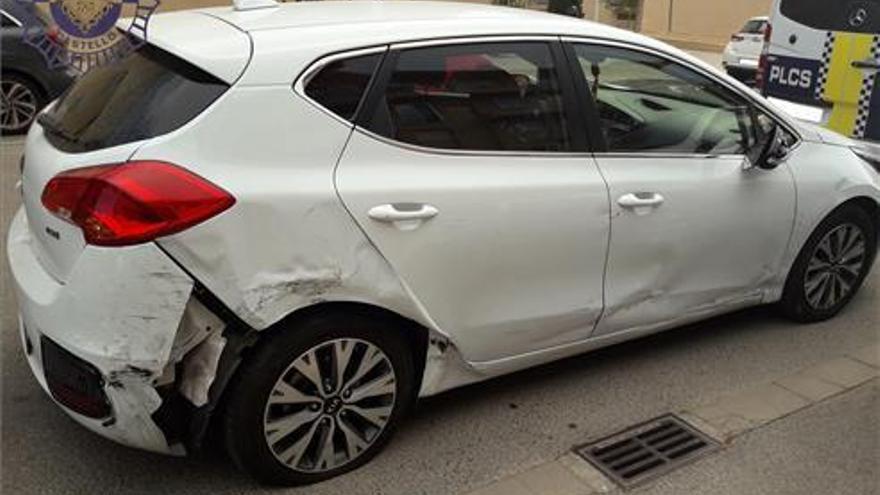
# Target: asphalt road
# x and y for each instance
(465, 438)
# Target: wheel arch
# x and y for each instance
(414, 334)
(871, 206)
(44, 91)
(204, 430)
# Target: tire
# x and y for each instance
(803, 299)
(22, 99)
(260, 437)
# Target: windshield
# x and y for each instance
(755, 26)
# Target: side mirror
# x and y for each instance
(773, 150)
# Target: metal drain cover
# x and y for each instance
(648, 450)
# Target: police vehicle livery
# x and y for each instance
(827, 56)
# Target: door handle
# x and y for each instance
(402, 212)
(640, 200)
(866, 64)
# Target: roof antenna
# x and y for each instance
(242, 5)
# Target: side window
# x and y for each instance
(489, 97)
(340, 86)
(648, 104)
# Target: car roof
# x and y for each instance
(409, 19)
(286, 38)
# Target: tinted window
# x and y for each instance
(491, 97)
(651, 105)
(341, 85)
(148, 93)
(858, 16)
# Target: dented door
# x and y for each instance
(511, 260)
(714, 243)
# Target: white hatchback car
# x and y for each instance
(742, 54)
(292, 221)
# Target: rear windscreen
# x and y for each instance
(754, 27)
(855, 16)
(146, 94)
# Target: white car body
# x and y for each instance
(516, 269)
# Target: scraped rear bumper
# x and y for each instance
(108, 333)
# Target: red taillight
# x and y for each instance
(133, 202)
(760, 77)
(737, 37)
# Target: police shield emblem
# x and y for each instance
(82, 34)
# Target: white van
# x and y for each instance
(825, 59)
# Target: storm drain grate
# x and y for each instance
(646, 451)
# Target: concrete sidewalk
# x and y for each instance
(832, 448)
(812, 431)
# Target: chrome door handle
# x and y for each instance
(402, 212)
(640, 200)
(866, 64)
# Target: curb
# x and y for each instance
(723, 419)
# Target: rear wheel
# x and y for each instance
(20, 100)
(831, 266)
(319, 399)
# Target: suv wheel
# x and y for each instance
(319, 399)
(831, 266)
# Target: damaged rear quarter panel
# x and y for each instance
(288, 242)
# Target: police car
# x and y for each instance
(826, 61)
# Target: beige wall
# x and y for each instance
(709, 22)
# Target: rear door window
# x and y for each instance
(488, 97)
(340, 86)
(148, 93)
(855, 16)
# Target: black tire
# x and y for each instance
(246, 403)
(795, 304)
(19, 87)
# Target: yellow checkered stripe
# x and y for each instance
(846, 88)
(867, 92)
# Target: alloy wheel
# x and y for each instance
(835, 266)
(330, 405)
(18, 105)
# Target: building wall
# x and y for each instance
(699, 22)
(705, 24)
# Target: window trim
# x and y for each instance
(10, 17)
(312, 70)
(601, 146)
(574, 123)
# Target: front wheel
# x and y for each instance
(319, 399)
(831, 266)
